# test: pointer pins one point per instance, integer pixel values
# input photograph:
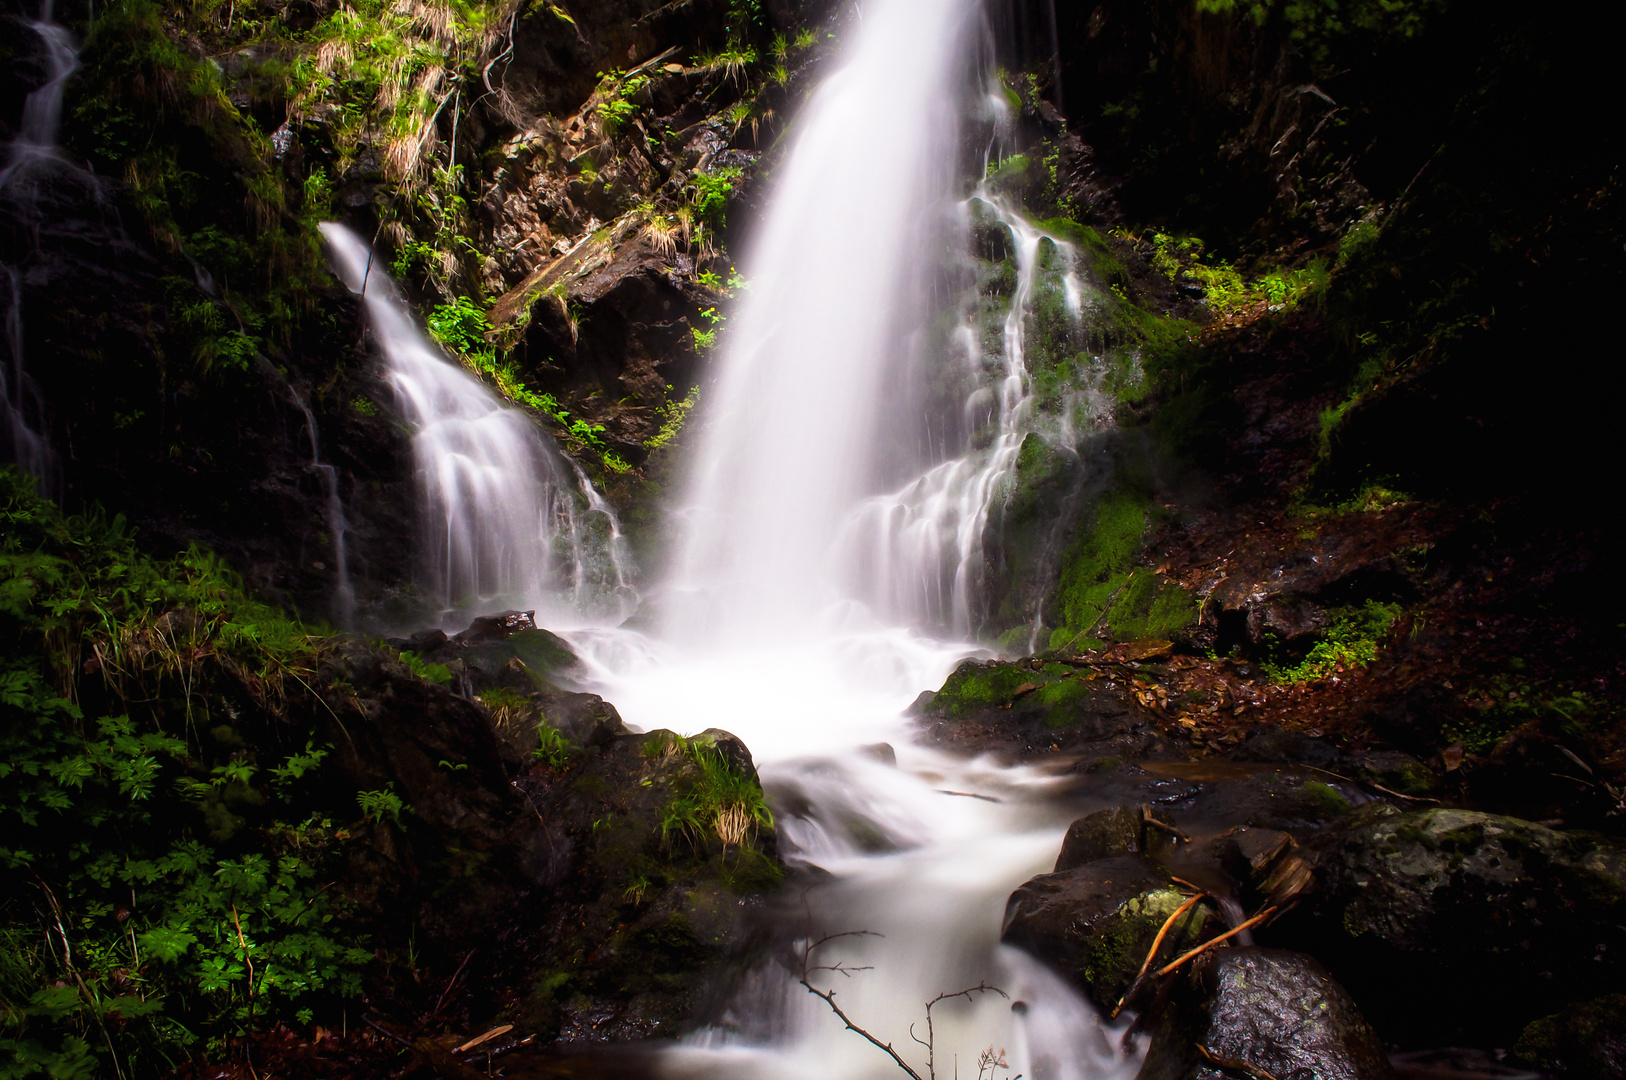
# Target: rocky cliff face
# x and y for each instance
(563, 176)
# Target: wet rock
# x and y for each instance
(1584, 1042)
(1095, 924)
(1016, 710)
(1411, 901)
(1279, 744)
(1121, 830)
(1269, 1010)
(882, 752)
(731, 747)
(496, 627)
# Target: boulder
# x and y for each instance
(1258, 1012)
(1586, 1042)
(1120, 830)
(1410, 902)
(1095, 924)
(496, 627)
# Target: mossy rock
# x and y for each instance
(1586, 1042)
(974, 686)
(1095, 924)
(1412, 901)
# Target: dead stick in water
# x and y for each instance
(1205, 946)
(1157, 943)
(1247, 1068)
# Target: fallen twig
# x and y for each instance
(1234, 1064)
(1370, 784)
(1157, 943)
(1205, 946)
(452, 981)
(501, 1029)
(386, 1032)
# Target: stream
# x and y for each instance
(826, 578)
(827, 571)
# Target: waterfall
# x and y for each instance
(501, 524)
(344, 595)
(916, 553)
(32, 152)
(791, 426)
(813, 571)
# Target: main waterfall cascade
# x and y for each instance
(818, 589)
(506, 519)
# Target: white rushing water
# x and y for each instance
(338, 526)
(916, 553)
(30, 159)
(501, 521)
(802, 609)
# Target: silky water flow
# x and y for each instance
(506, 520)
(33, 163)
(813, 599)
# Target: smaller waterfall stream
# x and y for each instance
(22, 407)
(344, 596)
(500, 519)
(916, 553)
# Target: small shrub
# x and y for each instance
(1349, 644)
(552, 748)
(439, 674)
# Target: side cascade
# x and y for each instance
(506, 518)
(338, 526)
(916, 553)
(32, 156)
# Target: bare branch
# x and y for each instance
(829, 997)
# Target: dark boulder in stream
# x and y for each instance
(1436, 916)
(1097, 923)
(1264, 1012)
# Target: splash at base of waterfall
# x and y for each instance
(923, 853)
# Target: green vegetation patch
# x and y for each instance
(1349, 644)
(1103, 592)
(713, 797)
(167, 851)
(463, 327)
(973, 687)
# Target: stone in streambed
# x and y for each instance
(1582, 1042)
(1119, 830)
(1274, 1011)
(1095, 924)
(1409, 903)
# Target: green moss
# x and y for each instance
(1326, 798)
(972, 687)
(1119, 942)
(1349, 643)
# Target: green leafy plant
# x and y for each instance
(381, 804)
(165, 885)
(439, 674)
(1349, 643)
(616, 105)
(673, 416)
(552, 748)
(709, 193)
